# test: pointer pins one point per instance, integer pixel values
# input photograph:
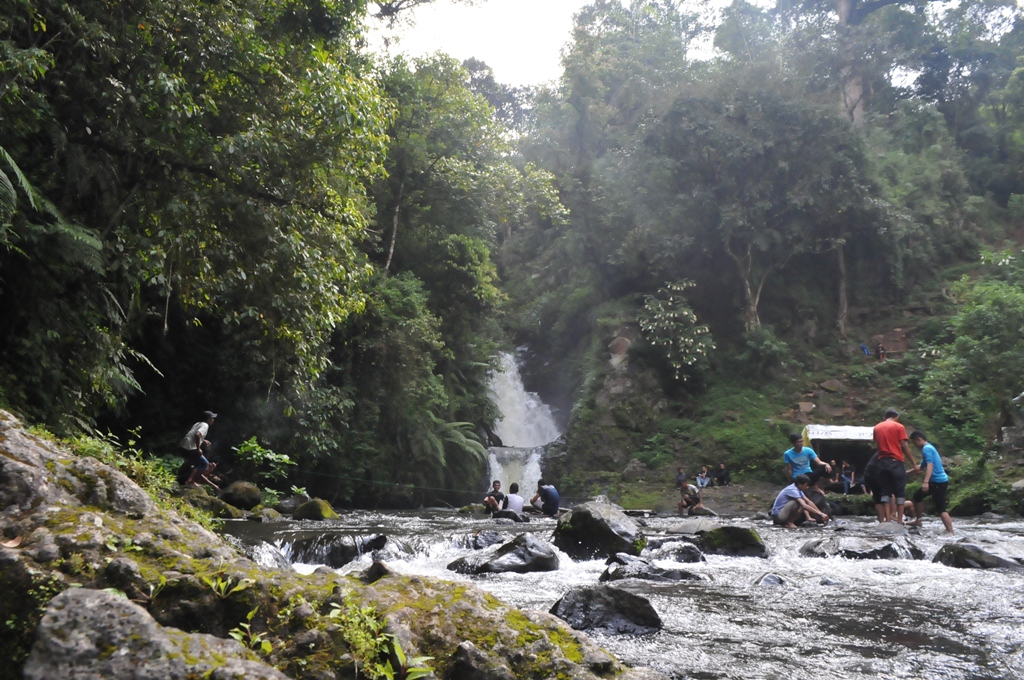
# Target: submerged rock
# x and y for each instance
(335, 550)
(244, 495)
(736, 541)
(623, 566)
(522, 554)
(771, 580)
(510, 514)
(861, 548)
(968, 556)
(597, 529)
(95, 635)
(315, 509)
(607, 609)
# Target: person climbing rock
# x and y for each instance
(197, 452)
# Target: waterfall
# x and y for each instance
(525, 426)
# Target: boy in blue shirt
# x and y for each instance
(936, 481)
(792, 507)
(801, 460)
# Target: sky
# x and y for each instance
(521, 40)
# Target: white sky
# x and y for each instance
(521, 40)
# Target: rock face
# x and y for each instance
(597, 530)
(469, 662)
(522, 554)
(858, 548)
(634, 470)
(607, 609)
(968, 556)
(244, 495)
(736, 541)
(315, 509)
(94, 635)
(335, 550)
(623, 566)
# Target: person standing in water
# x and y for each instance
(936, 481)
(893, 452)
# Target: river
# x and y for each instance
(878, 618)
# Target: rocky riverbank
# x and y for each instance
(103, 581)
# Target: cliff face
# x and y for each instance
(72, 522)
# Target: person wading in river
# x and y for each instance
(893, 450)
(936, 481)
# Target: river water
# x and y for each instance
(899, 618)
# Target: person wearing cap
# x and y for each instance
(893, 452)
(197, 447)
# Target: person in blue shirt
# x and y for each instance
(792, 507)
(548, 497)
(802, 460)
(936, 481)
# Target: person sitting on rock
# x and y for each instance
(703, 479)
(546, 499)
(494, 497)
(691, 499)
(792, 508)
(513, 501)
(722, 477)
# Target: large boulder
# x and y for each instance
(199, 497)
(244, 495)
(522, 554)
(623, 566)
(607, 609)
(862, 548)
(289, 505)
(315, 509)
(334, 550)
(968, 556)
(95, 635)
(479, 540)
(736, 541)
(597, 529)
(693, 526)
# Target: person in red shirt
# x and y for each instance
(893, 452)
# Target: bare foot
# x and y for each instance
(789, 526)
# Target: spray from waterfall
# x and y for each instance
(525, 426)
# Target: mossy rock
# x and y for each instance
(199, 498)
(244, 495)
(315, 509)
(736, 541)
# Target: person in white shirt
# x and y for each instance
(513, 501)
(196, 447)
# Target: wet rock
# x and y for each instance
(829, 582)
(771, 580)
(244, 495)
(510, 514)
(289, 505)
(200, 498)
(968, 556)
(687, 552)
(693, 526)
(335, 550)
(597, 529)
(991, 515)
(634, 470)
(95, 635)
(861, 548)
(261, 514)
(471, 663)
(480, 540)
(522, 554)
(703, 512)
(473, 509)
(623, 566)
(607, 609)
(375, 572)
(737, 541)
(315, 509)
(760, 516)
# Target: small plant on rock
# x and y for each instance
(253, 640)
(222, 586)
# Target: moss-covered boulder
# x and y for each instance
(315, 509)
(199, 497)
(597, 529)
(733, 540)
(244, 495)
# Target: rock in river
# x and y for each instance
(858, 548)
(335, 550)
(608, 609)
(968, 556)
(597, 529)
(244, 495)
(315, 509)
(623, 566)
(737, 541)
(522, 554)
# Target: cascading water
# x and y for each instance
(525, 426)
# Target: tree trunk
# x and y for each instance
(394, 226)
(752, 319)
(843, 308)
(853, 97)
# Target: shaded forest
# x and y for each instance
(234, 206)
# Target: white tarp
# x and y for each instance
(837, 432)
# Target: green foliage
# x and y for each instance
(223, 588)
(268, 465)
(765, 351)
(250, 638)
(670, 324)
(379, 653)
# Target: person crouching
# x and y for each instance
(792, 508)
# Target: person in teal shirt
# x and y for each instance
(936, 481)
(802, 460)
